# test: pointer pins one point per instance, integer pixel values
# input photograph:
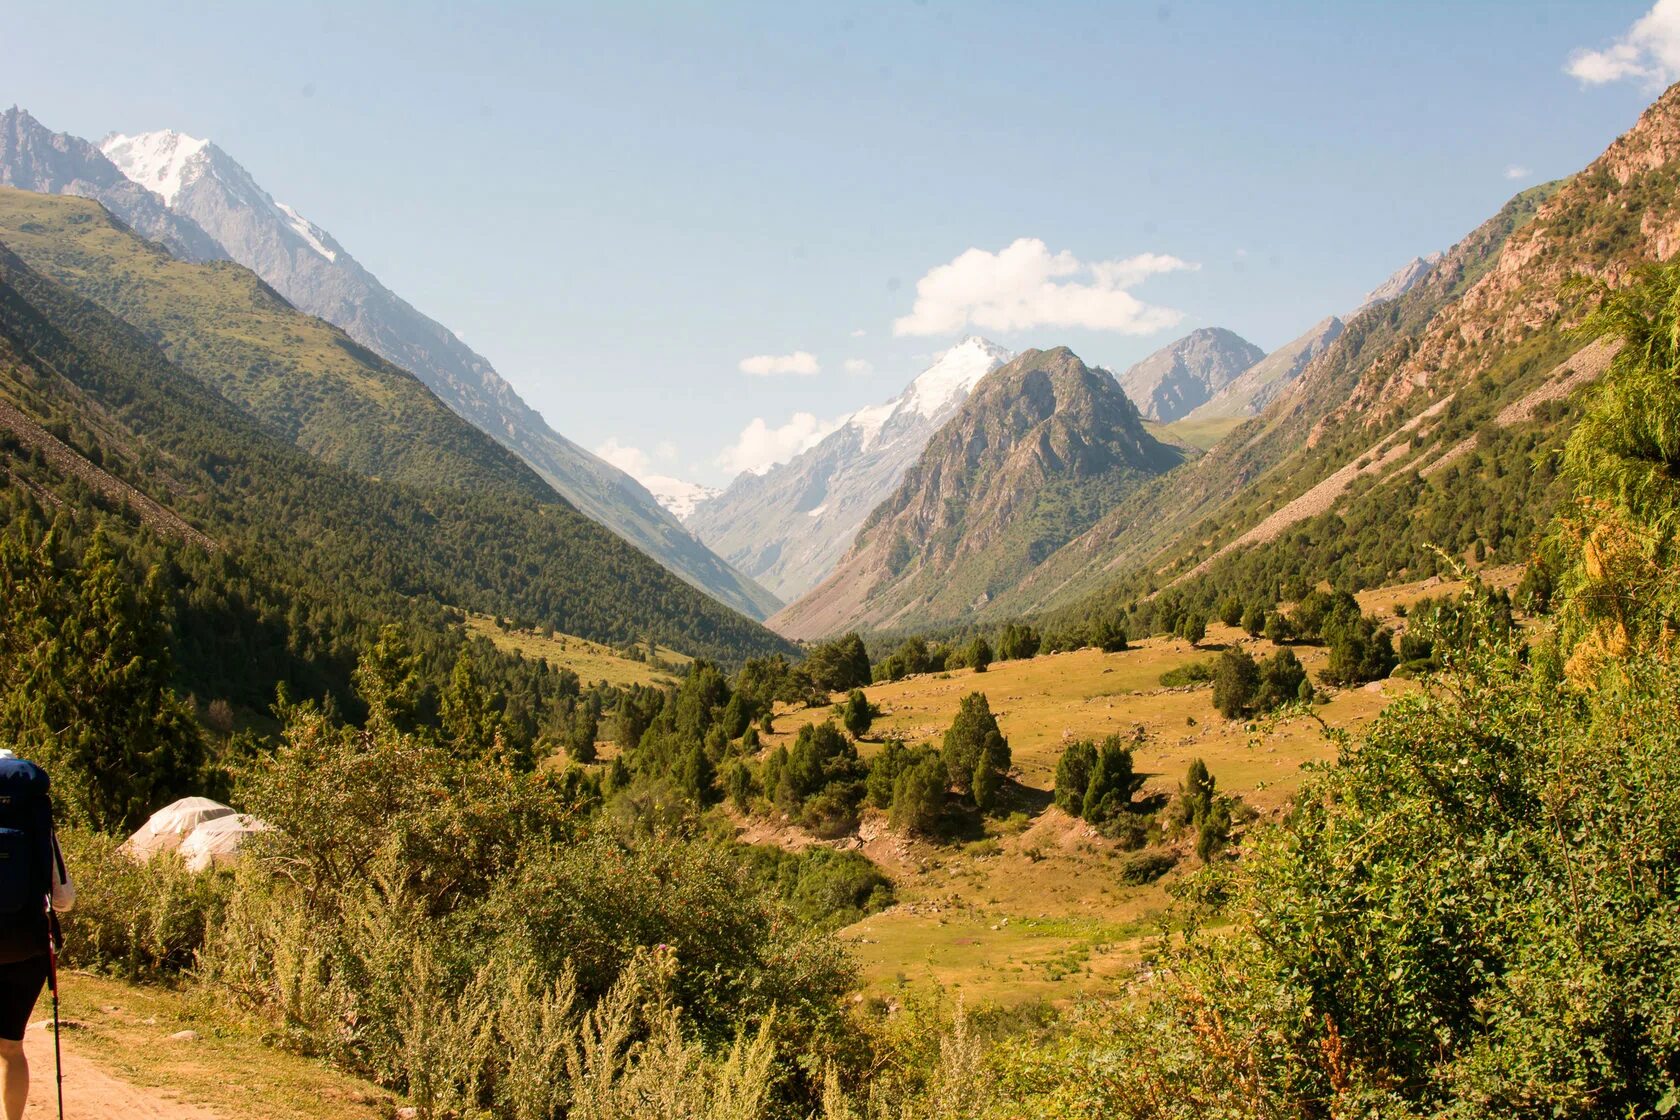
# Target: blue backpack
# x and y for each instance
(26, 859)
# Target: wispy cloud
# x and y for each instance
(858, 367)
(760, 447)
(1649, 52)
(1518, 171)
(1026, 285)
(633, 461)
(799, 363)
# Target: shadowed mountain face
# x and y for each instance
(1175, 379)
(789, 526)
(191, 398)
(195, 200)
(1042, 448)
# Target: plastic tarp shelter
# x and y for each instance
(216, 842)
(165, 829)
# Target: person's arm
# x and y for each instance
(63, 890)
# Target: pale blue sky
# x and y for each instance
(617, 204)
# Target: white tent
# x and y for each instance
(216, 842)
(166, 828)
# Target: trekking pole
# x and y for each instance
(52, 984)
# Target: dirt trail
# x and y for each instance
(91, 1093)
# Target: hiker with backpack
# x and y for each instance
(34, 887)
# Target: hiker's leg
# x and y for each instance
(14, 1078)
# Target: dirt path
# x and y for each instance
(90, 1093)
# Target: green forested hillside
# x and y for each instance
(320, 540)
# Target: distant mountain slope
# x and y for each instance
(1182, 375)
(1431, 421)
(1405, 278)
(395, 492)
(1041, 449)
(788, 527)
(1257, 386)
(209, 190)
(34, 158)
(1176, 521)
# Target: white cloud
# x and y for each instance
(1518, 171)
(633, 461)
(857, 367)
(760, 447)
(1026, 285)
(665, 450)
(799, 362)
(1649, 52)
(859, 333)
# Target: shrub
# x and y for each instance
(1235, 680)
(1195, 672)
(1073, 775)
(918, 800)
(1139, 869)
(139, 921)
(967, 742)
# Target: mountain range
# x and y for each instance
(313, 488)
(789, 526)
(1042, 448)
(193, 198)
(1177, 378)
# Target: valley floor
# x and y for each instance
(1034, 908)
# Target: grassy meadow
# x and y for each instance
(591, 661)
(1034, 907)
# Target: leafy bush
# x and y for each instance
(141, 921)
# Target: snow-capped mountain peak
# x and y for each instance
(163, 161)
(941, 386)
(953, 374)
(169, 162)
(677, 495)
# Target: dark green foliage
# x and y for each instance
(1282, 678)
(840, 665)
(580, 745)
(977, 655)
(1073, 775)
(1235, 679)
(858, 713)
(1230, 611)
(1137, 869)
(1096, 781)
(1319, 611)
(884, 769)
(909, 659)
(1193, 627)
(1112, 783)
(1195, 672)
(823, 887)
(918, 800)
(85, 682)
(989, 769)
(1254, 620)
(1360, 650)
(967, 742)
(1017, 641)
(1278, 630)
(1108, 636)
(1196, 794)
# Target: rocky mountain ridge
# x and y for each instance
(1042, 448)
(1187, 372)
(788, 527)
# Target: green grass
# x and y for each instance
(1202, 434)
(591, 661)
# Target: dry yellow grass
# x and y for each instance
(591, 661)
(1042, 912)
